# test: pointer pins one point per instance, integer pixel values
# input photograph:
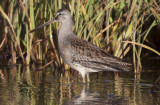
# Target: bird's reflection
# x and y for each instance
(86, 97)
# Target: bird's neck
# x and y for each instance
(65, 29)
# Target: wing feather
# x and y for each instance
(91, 56)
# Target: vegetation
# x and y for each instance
(124, 26)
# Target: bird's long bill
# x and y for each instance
(45, 24)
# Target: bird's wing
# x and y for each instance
(90, 56)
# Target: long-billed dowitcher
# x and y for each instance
(80, 54)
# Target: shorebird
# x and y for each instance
(80, 54)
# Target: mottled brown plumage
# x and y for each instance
(80, 54)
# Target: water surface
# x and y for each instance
(20, 85)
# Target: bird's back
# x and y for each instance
(77, 51)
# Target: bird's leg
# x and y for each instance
(84, 81)
(83, 76)
(88, 79)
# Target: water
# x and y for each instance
(27, 86)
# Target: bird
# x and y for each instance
(80, 54)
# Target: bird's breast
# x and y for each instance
(65, 51)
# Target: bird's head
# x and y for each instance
(62, 16)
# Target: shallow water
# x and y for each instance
(25, 85)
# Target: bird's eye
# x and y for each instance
(60, 14)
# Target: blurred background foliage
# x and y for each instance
(121, 27)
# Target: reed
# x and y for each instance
(117, 24)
